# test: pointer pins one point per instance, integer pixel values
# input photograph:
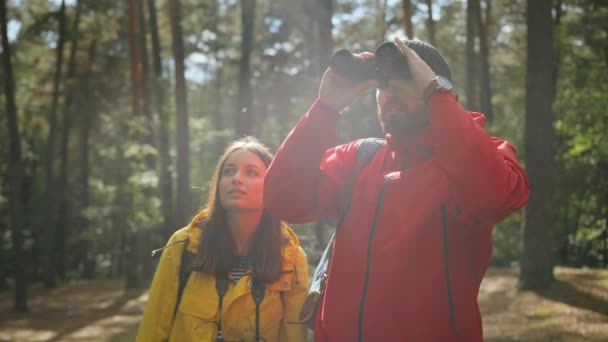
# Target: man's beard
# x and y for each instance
(405, 126)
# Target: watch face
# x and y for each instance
(444, 83)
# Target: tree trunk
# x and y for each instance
(148, 136)
(430, 23)
(48, 223)
(485, 89)
(85, 137)
(407, 19)
(182, 133)
(380, 20)
(537, 253)
(244, 124)
(166, 178)
(134, 58)
(63, 219)
(471, 57)
(15, 169)
(325, 39)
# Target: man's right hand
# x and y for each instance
(337, 91)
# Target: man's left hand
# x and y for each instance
(422, 74)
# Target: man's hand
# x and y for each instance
(422, 74)
(337, 91)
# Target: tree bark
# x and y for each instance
(48, 223)
(85, 137)
(245, 113)
(380, 20)
(134, 58)
(471, 57)
(63, 219)
(183, 135)
(166, 178)
(325, 27)
(148, 135)
(485, 89)
(537, 253)
(407, 19)
(15, 168)
(430, 23)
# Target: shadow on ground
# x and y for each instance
(88, 311)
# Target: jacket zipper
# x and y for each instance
(444, 226)
(369, 257)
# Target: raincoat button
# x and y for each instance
(286, 282)
(249, 284)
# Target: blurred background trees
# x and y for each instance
(114, 114)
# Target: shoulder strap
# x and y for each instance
(365, 153)
(257, 292)
(184, 274)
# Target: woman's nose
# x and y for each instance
(236, 179)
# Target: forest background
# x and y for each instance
(114, 113)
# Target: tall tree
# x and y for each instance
(166, 178)
(471, 56)
(380, 20)
(183, 136)
(15, 168)
(85, 157)
(430, 22)
(48, 223)
(63, 219)
(148, 134)
(135, 64)
(325, 27)
(407, 19)
(537, 253)
(245, 112)
(485, 89)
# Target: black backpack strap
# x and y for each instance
(365, 153)
(221, 286)
(184, 274)
(257, 292)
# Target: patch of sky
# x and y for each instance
(273, 24)
(199, 67)
(58, 2)
(12, 30)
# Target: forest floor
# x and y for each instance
(574, 308)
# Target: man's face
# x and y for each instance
(401, 110)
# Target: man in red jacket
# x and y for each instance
(411, 252)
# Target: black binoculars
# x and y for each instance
(388, 62)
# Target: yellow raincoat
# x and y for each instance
(197, 312)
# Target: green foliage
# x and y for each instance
(124, 199)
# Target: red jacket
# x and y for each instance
(411, 253)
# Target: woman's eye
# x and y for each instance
(228, 172)
(252, 173)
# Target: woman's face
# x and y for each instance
(242, 181)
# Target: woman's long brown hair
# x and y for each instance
(216, 252)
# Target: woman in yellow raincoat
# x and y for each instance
(247, 278)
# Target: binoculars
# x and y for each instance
(388, 62)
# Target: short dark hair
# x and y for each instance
(432, 56)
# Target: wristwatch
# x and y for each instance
(438, 84)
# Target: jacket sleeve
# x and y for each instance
(484, 172)
(158, 314)
(307, 175)
(292, 303)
